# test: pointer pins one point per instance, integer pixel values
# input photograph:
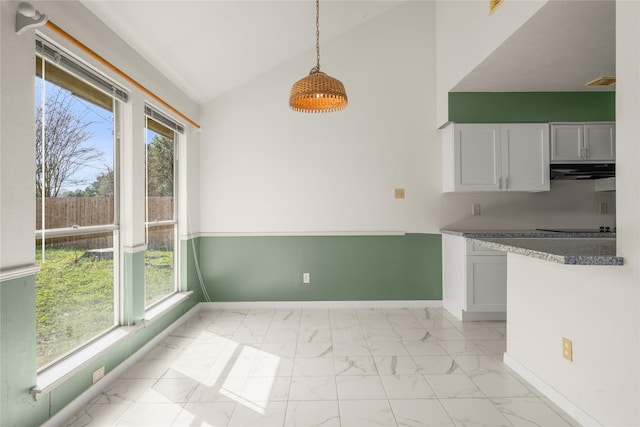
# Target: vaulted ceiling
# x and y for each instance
(210, 47)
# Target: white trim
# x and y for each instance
(321, 304)
(134, 249)
(486, 316)
(187, 237)
(62, 416)
(57, 374)
(551, 393)
(155, 312)
(302, 233)
(19, 272)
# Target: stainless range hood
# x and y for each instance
(582, 170)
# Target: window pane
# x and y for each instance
(159, 263)
(76, 160)
(160, 277)
(74, 293)
(160, 172)
(75, 187)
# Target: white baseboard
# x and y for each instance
(551, 393)
(477, 316)
(94, 391)
(321, 304)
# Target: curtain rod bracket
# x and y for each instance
(28, 17)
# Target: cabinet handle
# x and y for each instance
(586, 153)
(506, 183)
(500, 183)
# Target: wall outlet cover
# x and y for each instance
(567, 349)
(98, 374)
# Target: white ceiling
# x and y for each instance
(562, 47)
(209, 47)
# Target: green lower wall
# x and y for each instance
(531, 107)
(345, 268)
(342, 268)
(18, 341)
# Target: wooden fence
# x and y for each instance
(62, 212)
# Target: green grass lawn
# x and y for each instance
(75, 297)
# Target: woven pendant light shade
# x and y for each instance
(318, 93)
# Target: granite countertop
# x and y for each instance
(564, 248)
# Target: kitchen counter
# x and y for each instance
(590, 248)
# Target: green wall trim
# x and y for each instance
(342, 268)
(531, 107)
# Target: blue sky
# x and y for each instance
(101, 129)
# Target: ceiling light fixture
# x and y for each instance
(602, 81)
(318, 92)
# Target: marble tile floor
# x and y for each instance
(324, 367)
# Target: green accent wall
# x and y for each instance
(342, 268)
(18, 354)
(133, 310)
(531, 107)
(18, 340)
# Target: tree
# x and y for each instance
(65, 134)
(102, 186)
(160, 166)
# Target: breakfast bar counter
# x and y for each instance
(589, 248)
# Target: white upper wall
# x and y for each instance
(467, 34)
(266, 169)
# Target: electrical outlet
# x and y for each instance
(475, 209)
(399, 193)
(98, 374)
(603, 208)
(567, 349)
(306, 278)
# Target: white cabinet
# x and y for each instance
(495, 157)
(474, 280)
(583, 142)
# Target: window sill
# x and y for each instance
(155, 312)
(57, 374)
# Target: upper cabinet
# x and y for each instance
(583, 142)
(495, 157)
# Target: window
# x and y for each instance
(160, 213)
(76, 203)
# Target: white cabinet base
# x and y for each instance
(474, 280)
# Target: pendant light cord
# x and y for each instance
(317, 67)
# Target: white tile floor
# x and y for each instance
(324, 367)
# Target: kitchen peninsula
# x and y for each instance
(547, 286)
(475, 263)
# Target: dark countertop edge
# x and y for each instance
(515, 234)
(560, 259)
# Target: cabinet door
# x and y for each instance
(477, 157)
(566, 142)
(525, 157)
(487, 283)
(599, 141)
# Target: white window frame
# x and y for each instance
(153, 113)
(51, 52)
